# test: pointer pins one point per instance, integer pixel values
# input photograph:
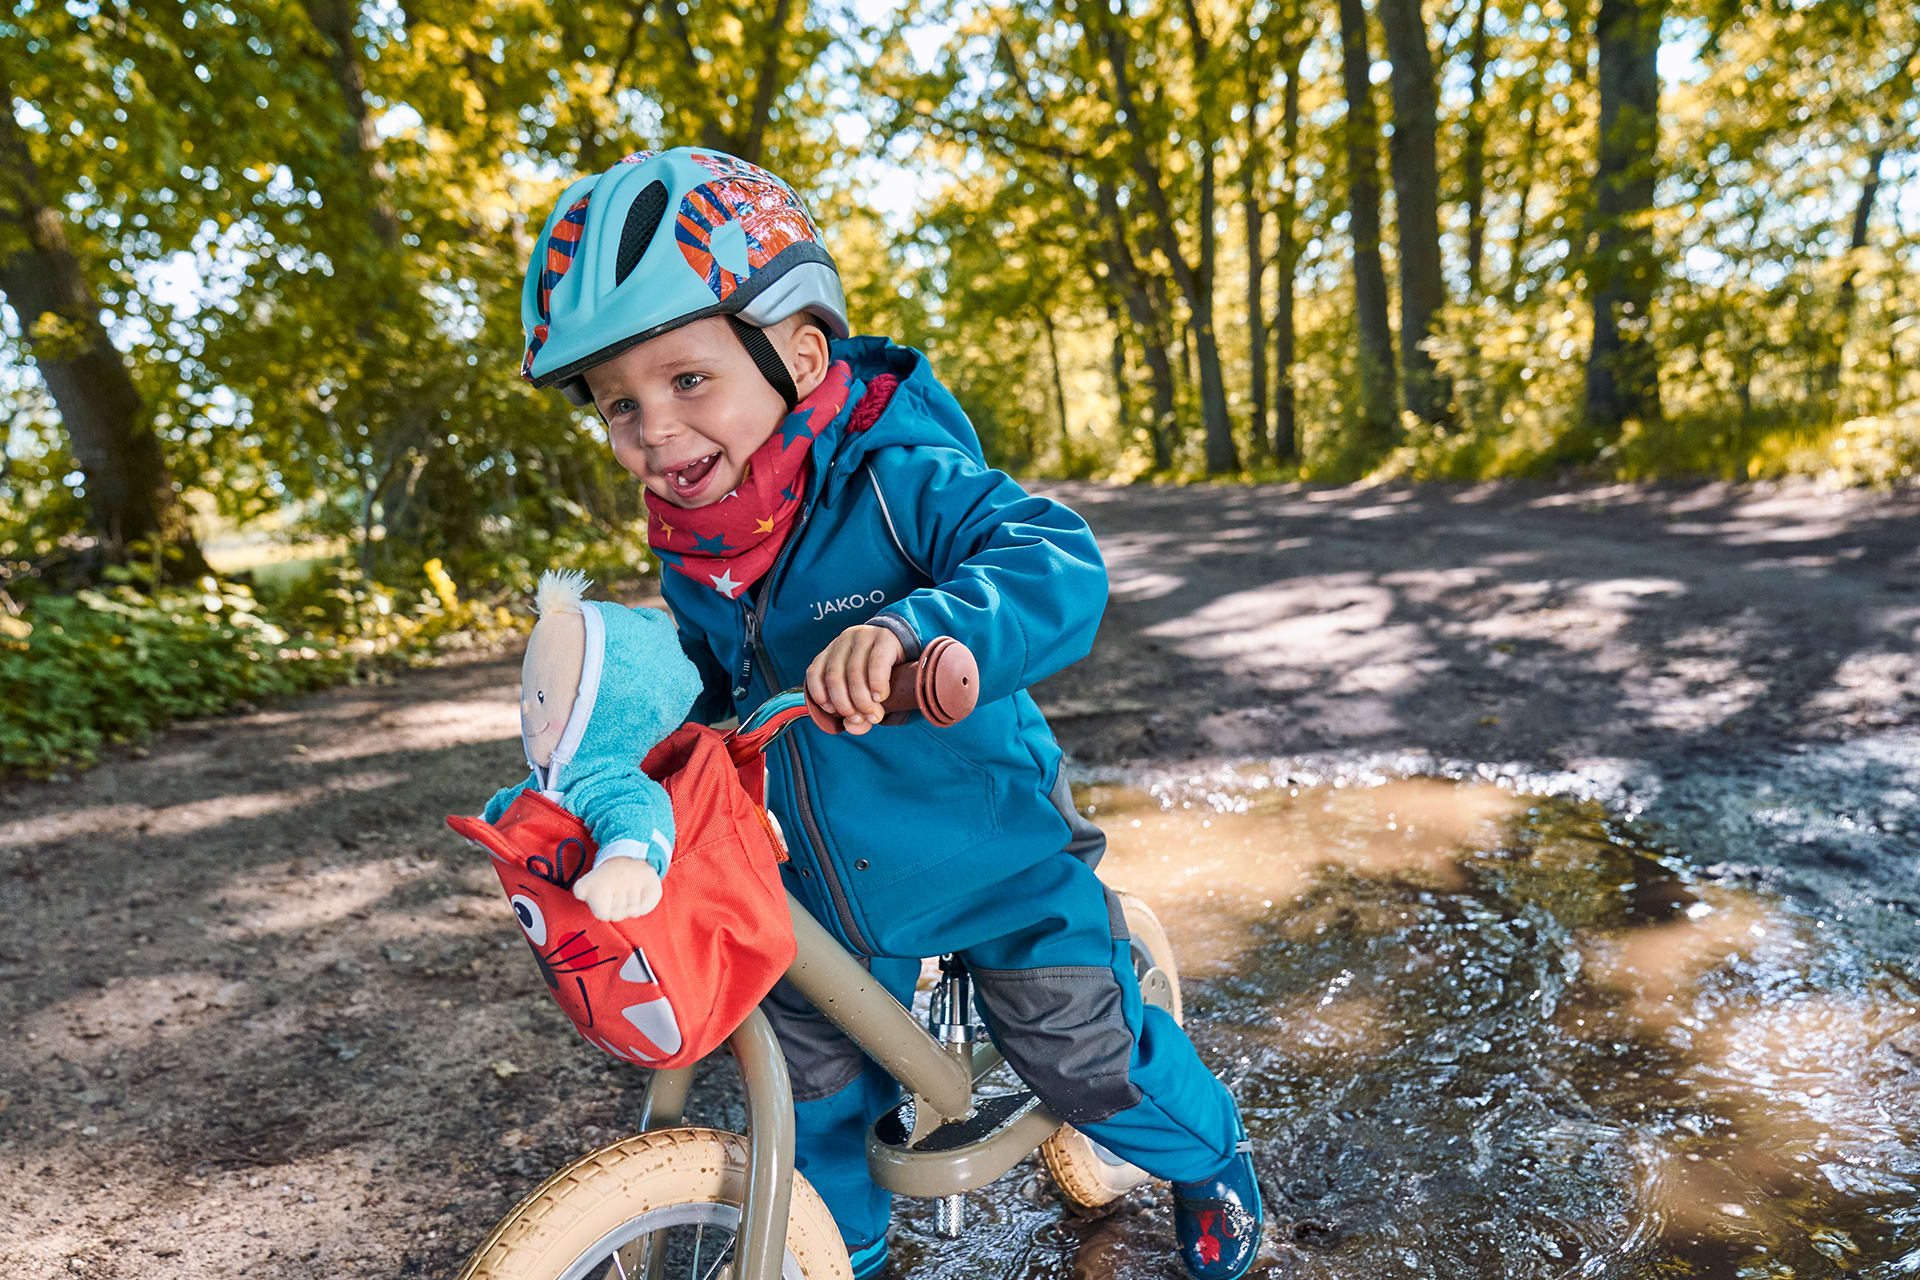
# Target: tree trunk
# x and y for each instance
(1416, 194)
(1374, 329)
(1856, 243)
(1149, 318)
(1473, 158)
(1516, 254)
(129, 490)
(1123, 401)
(1623, 374)
(766, 84)
(1256, 313)
(1059, 390)
(359, 142)
(1286, 431)
(1253, 180)
(1196, 283)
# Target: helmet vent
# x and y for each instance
(643, 219)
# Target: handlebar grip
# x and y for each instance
(943, 685)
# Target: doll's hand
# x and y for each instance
(619, 889)
(854, 674)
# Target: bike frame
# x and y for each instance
(937, 1144)
(940, 1081)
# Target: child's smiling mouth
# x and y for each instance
(689, 478)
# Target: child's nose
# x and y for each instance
(657, 429)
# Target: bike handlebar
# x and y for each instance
(943, 685)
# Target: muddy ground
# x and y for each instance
(264, 1016)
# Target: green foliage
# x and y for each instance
(111, 666)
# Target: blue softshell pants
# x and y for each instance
(1053, 975)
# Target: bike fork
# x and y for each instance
(950, 1019)
(760, 1245)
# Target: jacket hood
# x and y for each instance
(921, 411)
(636, 686)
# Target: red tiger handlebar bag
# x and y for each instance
(667, 988)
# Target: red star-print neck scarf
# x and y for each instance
(730, 544)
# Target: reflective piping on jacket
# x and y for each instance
(887, 516)
(591, 662)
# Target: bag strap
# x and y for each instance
(769, 720)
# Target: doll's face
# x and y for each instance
(549, 681)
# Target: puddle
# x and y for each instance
(1483, 1034)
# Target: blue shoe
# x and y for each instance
(869, 1260)
(1217, 1220)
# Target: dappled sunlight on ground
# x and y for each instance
(133, 1013)
(1497, 622)
(432, 727)
(126, 821)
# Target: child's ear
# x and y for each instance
(807, 356)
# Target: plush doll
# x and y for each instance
(600, 685)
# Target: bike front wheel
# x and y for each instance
(1089, 1175)
(664, 1204)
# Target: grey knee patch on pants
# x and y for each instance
(821, 1060)
(1063, 1029)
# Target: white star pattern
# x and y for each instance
(725, 585)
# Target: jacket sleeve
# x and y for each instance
(715, 702)
(503, 799)
(628, 814)
(1015, 577)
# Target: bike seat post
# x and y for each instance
(950, 1019)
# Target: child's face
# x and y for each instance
(684, 411)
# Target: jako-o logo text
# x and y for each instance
(821, 608)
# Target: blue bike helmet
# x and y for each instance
(662, 239)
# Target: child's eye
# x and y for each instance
(688, 381)
(621, 408)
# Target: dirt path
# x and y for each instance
(262, 1016)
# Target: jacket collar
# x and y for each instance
(920, 412)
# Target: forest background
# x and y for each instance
(261, 265)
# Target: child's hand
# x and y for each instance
(854, 674)
(619, 889)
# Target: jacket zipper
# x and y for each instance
(809, 821)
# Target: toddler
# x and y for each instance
(822, 509)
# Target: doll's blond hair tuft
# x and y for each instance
(560, 591)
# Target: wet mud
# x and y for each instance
(1481, 1033)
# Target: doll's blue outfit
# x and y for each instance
(911, 841)
(636, 687)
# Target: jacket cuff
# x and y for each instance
(657, 855)
(902, 631)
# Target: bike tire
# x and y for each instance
(1088, 1175)
(620, 1199)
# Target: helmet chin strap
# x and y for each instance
(766, 359)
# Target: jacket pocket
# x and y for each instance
(945, 805)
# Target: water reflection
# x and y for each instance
(1480, 1034)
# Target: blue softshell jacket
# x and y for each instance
(904, 523)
